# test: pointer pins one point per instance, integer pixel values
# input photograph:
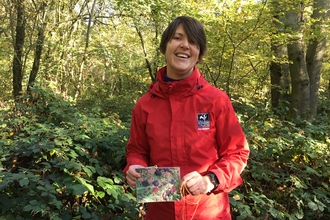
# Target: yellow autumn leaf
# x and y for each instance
(52, 152)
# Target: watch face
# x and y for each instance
(213, 179)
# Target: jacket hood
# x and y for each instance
(185, 87)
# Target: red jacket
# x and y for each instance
(190, 124)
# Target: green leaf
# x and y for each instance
(24, 182)
(89, 170)
(41, 188)
(104, 182)
(112, 192)
(87, 185)
(34, 202)
(99, 169)
(90, 188)
(117, 180)
(73, 154)
(78, 189)
(299, 214)
(100, 194)
(28, 208)
(19, 175)
(7, 217)
(312, 171)
(312, 205)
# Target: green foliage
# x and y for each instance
(63, 162)
(60, 162)
(288, 172)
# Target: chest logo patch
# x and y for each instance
(203, 121)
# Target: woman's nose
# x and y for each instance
(185, 44)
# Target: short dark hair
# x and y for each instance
(193, 28)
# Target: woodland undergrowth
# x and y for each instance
(60, 160)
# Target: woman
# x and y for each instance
(183, 121)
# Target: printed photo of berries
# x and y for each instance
(158, 184)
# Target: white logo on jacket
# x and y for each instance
(203, 121)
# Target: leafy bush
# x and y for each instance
(63, 162)
(288, 172)
(59, 162)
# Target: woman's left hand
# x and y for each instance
(195, 184)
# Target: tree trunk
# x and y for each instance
(18, 49)
(36, 61)
(300, 84)
(85, 55)
(279, 69)
(148, 63)
(38, 47)
(279, 76)
(315, 53)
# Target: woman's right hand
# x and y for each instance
(132, 175)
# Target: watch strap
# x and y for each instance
(214, 180)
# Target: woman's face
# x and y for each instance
(181, 55)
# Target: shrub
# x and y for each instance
(288, 171)
(60, 162)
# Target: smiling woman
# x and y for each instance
(183, 51)
(181, 55)
(184, 122)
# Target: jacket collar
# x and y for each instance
(184, 87)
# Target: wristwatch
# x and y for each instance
(214, 180)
